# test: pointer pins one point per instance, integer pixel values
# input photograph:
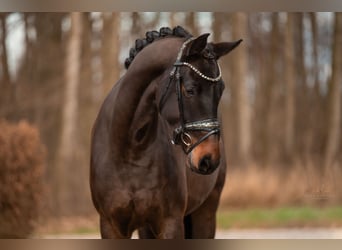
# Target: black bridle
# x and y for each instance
(181, 135)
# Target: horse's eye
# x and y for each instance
(189, 92)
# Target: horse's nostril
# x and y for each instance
(205, 163)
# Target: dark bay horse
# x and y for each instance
(156, 164)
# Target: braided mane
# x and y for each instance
(152, 36)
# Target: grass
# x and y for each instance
(280, 217)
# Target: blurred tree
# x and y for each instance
(266, 56)
(191, 23)
(68, 148)
(110, 51)
(258, 60)
(314, 33)
(226, 108)
(301, 91)
(86, 101)
(137, 22)
(86, 55)
(5, 75)
(88, 104)
(334, 105)
(240, 69)
(217, 25)
(7, 93)
(289, 76)
(314, 113)
(298, 34)
(172, 20)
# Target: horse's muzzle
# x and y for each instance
(207, 165)
(205, 158)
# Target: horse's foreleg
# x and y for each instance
(146, 233)
(171, 228)
(109, 231)
(106, 229)
(201, 224)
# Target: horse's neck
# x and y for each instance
(134, 109)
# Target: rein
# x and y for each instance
(181, 135)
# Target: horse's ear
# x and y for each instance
(197, 45)
(221, 49)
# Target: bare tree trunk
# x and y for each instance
(313, 22)
(270, 95)
(217, 26)
(68, 143)
(301, 90)
(290, 87)
(137, 30)
(89, 98)
(240, 71)
(4, 58)
(225, 104)
(315, 103)
(110, 51)
(86, 86)
(6, 93)
(172, 20)
(334, 105)
(190, 22)
(298, 30)
(261, 69)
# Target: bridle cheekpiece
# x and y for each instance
(181, 135)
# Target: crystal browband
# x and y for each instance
(216, 79)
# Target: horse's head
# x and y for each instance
(198, 87)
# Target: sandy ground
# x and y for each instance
(306, 233)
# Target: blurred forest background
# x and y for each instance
(281, 108)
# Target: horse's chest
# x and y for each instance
(199, 188)
(145, 199)
(139, 194)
